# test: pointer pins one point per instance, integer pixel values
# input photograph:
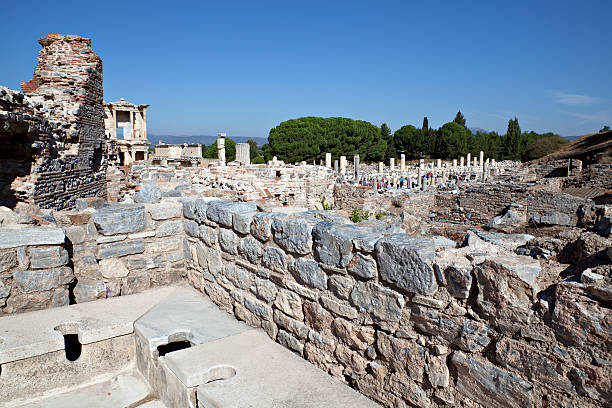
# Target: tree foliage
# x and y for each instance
(459, 119)
(309, 138)
(210, 152)
(385, 133)
(512, 140)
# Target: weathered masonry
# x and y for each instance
(53, 136)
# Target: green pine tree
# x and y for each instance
(460, 119)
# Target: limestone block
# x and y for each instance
(114, 268)
(488, 385)
(406, 262)
(242, 221)
(11, 237)
(43, 279)
(358, 337)
(8, 259)
(208, 235)
(165, 210)
(250, 249)
(87, 290)
(228, 240)
(238, 276)
(261, 225)
(120, 219)
(309, 272)
(341, 285)
(317, 317)
(148, 193)
(168, 228)
(48, 257)
(222, 211)
(287, 340)
(467, 334)
(290, 304)
(552, 218)
(295, 327)
(586, 307)
(264, 289)
(274, 259)
(333, 244)
(117, 249)
(363, 266)
(192, 228)
(258, 307)
(381, 303)
(293, 234)
(339, 308)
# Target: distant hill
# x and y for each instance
(201, 139)
(591, 148)
(475, 130)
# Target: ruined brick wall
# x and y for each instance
(67, 88)
(477, 204)
(443, 329)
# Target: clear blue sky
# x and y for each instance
(243, 67)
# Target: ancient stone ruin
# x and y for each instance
(53, 133)
(238, 285)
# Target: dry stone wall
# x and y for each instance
(91, 254)
(407, 321)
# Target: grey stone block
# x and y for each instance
(310, 273)
(274, 259)
(261, 225)
(16, 237)
(49, 257)
(168, 228)
(43, 279)
(363, 266)
(250, 249)
(242, 221)
(228, 240)
(148, 193)
(381, 303)
(293, 234)
(165, 210)
(123, 248)
(87, 290)
(406, 263)
(8, 259)
(120, 219)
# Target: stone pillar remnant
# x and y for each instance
(221, 149)
(243, 153)
(328, 160)
(392, 164)
(403, 162)
(356, 166)
(381, 167)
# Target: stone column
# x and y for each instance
(392, 164)
(454, 163)
(342, 164)
(485, 168)
(475, 162)
(403, 162)
(221, 148)
(336, 165)
(243, 153)
(356, 166)
(439, 164)
(481, 158)
(461, 161)
(469, 159)
(381, 167)
(420, 174)
(328, 161)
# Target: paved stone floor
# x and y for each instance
(128, 390)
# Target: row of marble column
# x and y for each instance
(477, 164)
